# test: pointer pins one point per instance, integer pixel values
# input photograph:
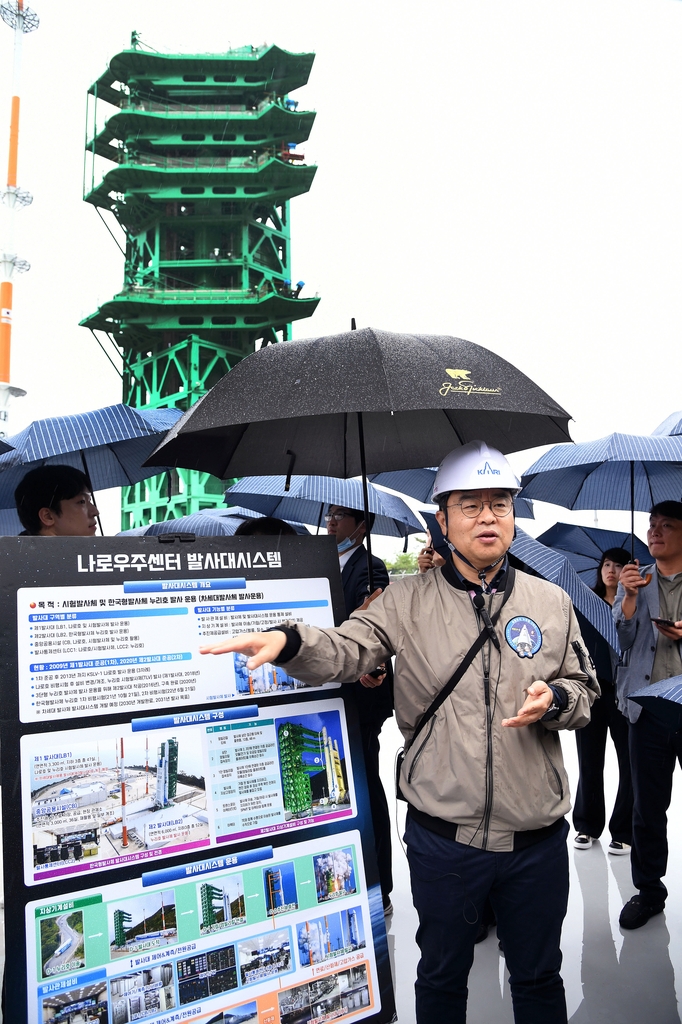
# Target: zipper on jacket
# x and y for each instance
(488, 761)
(419, 752)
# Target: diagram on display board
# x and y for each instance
(186, 839)
(187, 939)
(160, 787)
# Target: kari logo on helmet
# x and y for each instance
(464, 385)
(488, 470)
(523, 636)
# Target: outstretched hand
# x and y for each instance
(537, 703)
(261, 647)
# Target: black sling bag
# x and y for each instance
(443, 694)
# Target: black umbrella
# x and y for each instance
(359, 402)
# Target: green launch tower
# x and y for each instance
(195, 156)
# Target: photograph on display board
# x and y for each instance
(141, 994)
(312, 764)
(61, 943)
(265, 956)
(265, 679)
(145, 922)
(207, 974)
(322, 938)
(99, 799)
(247, 1013)
(330, 998)
(279, 885)
(88, 1003)
(221, 904)
(334, 874)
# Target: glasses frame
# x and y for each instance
(482, 504)
(337, 516)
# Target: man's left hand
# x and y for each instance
(671, 632)
(371, 681)
(536, 704)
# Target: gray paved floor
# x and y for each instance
(611, 977)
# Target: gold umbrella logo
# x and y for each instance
(459, 374)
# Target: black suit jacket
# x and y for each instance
(375, 705)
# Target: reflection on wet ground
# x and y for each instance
(611, 976)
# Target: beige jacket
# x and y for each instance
(464, 766)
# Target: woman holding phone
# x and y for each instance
(589, 812)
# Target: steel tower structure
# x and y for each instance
(204, 160)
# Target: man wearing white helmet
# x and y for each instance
(490, 663)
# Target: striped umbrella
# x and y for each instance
(585, 545)
(109, 445)
(207, 523)
(621, 471)
(553, 566)
(308, 497)
(418, 483)
(671, 426)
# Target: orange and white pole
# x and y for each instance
(22, 19)
(124, 823)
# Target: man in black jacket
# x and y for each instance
(375, 703)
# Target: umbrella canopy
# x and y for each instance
(308, 498)
(670, 426)
(207, 523)
(584, 546)
(288, 407)
(109, 445)
(663, 700)
(418, 483)
(597, 474)
(553, 566)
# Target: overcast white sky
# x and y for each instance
(506, 171)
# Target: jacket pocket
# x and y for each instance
(554, 775)
(416, 757)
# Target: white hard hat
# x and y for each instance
(474, 467)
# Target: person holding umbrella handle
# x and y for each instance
(648, 617)
(490, 663)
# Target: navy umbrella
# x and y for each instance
(621, 471)
(109, 445)
(207, 523)
(418, 483)
(585, 545)
(4, 447)
(308, 497)
(670, 427)
(663, 700)
(554, 566)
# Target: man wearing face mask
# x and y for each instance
(375, 703)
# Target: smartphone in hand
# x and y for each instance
(667, 623)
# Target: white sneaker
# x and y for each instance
(582, 841)
(618, 849)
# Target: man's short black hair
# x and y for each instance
(359, 516)
(264, 526)
(669, 509)
(47, 487)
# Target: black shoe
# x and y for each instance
(482, 933)
(388, 906)
(638, 911)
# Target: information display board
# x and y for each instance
(184, 839)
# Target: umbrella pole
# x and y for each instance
(365, 500)
(632, 511)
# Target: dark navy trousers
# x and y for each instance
(528, 890)
(654, 750)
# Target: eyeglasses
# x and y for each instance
(338, 516)
(471, 507)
